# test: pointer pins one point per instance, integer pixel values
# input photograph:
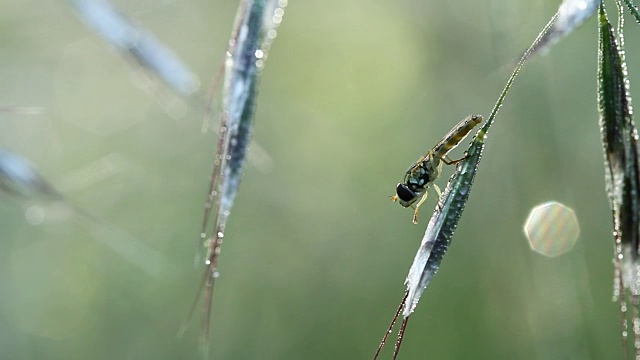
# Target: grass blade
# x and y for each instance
(139, 44)
(19, 178)
(622, 169)
(393, 322)
(620, 144)
(251, 39)
(633, 9)
(442, 225)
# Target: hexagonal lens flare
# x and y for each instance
(552, 228)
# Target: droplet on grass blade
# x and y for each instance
(552, 229)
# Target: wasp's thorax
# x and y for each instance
(417, 179)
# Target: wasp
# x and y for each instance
(426, 170)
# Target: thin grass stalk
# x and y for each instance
(393, 322)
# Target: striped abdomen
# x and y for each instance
(455, 136)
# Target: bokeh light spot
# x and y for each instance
(552, 228)
(34, 215)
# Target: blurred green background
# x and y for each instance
(315, 255)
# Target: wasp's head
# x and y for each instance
(404, 196)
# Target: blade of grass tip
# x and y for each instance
(633, 9)
(390, 329)
(570, 15)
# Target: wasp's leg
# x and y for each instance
(415, 212)
(437, 189)
(447, 160)
(435, 162)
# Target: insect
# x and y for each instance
(426, 170)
